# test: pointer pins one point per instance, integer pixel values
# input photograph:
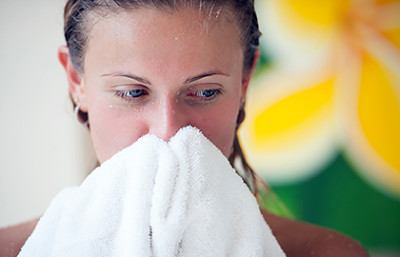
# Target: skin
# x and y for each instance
(149, 71)
(185, 73)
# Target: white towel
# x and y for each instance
(156, 198)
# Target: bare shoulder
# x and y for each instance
(13, 238)
(302, 239)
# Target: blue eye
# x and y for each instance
(207, 93)
(135, 93)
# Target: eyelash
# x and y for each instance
(207, 97)
(200, 95)
(124, 94)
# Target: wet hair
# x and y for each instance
(77, 26)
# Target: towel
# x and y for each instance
(156, 198)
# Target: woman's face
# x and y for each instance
(151, 71)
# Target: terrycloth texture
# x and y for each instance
(154, 198)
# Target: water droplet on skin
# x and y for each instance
(218, 13)
(176, 38)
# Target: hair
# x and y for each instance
(76, 27)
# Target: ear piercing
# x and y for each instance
(81, 116)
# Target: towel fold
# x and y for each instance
(156, 198)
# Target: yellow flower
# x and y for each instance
(335, 84)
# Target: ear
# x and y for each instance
(247, 78)
(75, 81)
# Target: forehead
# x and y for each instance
(158, 35)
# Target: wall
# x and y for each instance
(42, 147)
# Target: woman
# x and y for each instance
(138, 67)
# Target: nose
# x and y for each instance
(168, 117)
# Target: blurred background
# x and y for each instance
(322, 125)
(42, 147)
(323, 115)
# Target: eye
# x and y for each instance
(135, 93)
(206, 93)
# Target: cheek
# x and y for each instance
(111, 130)
(219, 125)
(114, 128)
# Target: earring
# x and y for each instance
(81, 116)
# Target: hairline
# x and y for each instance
(92, 17)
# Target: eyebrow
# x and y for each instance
(128, 75)
(204, 75)
(146, 81)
